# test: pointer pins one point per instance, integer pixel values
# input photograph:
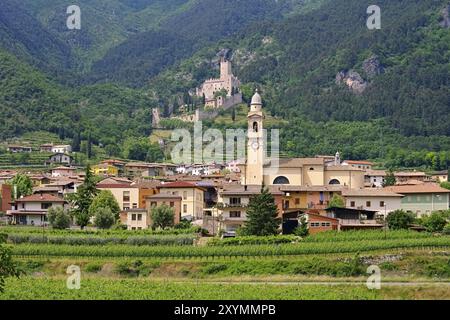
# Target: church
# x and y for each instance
(298, 172)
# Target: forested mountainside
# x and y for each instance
(378, 94)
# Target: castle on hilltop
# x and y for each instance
(222, 92)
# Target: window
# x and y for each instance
(315, 224)
(139, 217)
(235, 214)
(297, 201)
(281, 180)
(133, 217)
(235, 201)
(135, 205)
(45, 206)
(153, 204)
(352, 204)
(184, 208)
(126, 196)
(184, 195)
(382, 204)
(172, 204)
(326, 224)
(133, 228)
(368, 204)
(334, 182)
(255, 126)
(311, 169)
(126, 206)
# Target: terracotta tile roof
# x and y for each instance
(40, 198)
(359, 162)
(422, 188)
(179, 184)
(298, 162)
(410, 174)
(370, 193)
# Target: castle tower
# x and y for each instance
(225, 69)
(255, 146)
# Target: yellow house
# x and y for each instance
(192, 203)
(104, 169)
(127, 196)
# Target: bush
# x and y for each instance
(104, 218)
(399, 219)
(162, 217)
(446, 229)
(93, 267)
(435, 222)
(59, 218)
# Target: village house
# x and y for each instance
(65, 148)
(364, 165)
(59, 158)
(319, 223)
(47, 147)
(193, 202)
(142, 169)
(137, 219)
(379, 200)
(63, 172)
(32, 210)
(5, 197)
(120, 165)
(355, 219)
(127, 196)
(440, 176)
(19, 149)
(233, 201)
(106, 170)
(404, 177)
(374, 178)
(422, 199)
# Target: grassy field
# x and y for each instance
(327, 266)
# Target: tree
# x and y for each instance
(445, 185)
(435, 222)
(104, 218)
(390, 179)
(89, 145)
(8, 267)
(59, 218)
(302, 230)
(82, 199)
(22, 184)
(162, 217)
(337, 202)
(399, 219)
(262, 215)
(105, 199)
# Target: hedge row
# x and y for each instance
(150, 240)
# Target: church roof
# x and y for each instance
(297, 162)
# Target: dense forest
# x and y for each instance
(97, 85)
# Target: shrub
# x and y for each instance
(93, 267)
(162, 217)
(399, 219)
(59, 218)
(446, 229)
(435, 222)
(104, 218)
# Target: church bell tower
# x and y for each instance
(255, 146)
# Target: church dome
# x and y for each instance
(256, 99)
